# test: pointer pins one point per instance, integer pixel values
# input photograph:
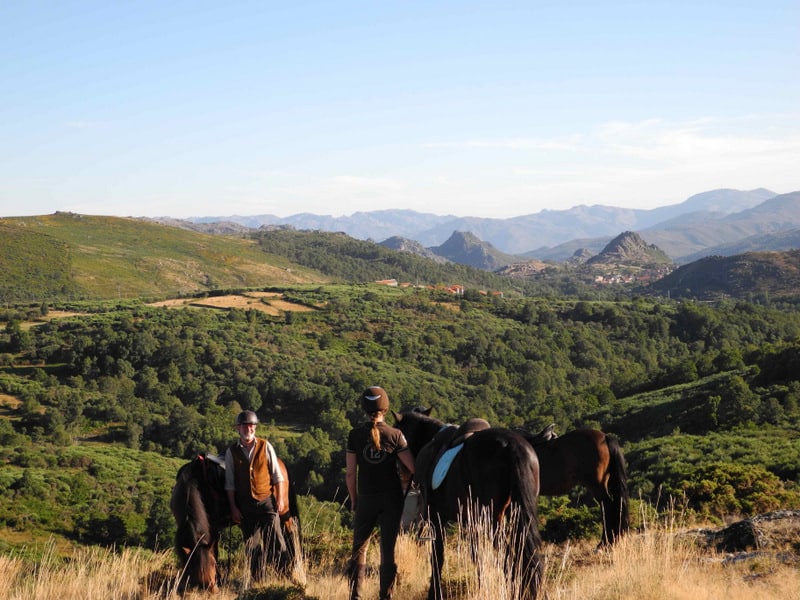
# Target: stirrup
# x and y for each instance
(425, 532)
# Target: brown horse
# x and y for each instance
(590, 458)
(200, 507)
(492, 469)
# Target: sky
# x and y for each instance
(488, 109)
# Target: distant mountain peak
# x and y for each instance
(468, 249)
(629, 248)
(402, 244)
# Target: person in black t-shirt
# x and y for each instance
(376, 494)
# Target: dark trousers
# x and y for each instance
(385, 511)
(264, 541)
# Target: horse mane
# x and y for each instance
(194, 526)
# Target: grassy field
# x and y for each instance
(658, 563)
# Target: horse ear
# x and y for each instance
(427, 411)
(397, 417)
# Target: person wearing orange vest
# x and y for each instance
(374, 452)
(253, 483)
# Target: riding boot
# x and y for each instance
(388, 573)
(357, 574)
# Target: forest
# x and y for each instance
(101, 401)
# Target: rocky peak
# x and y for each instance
(629, 248)
(467, 249)
(412, 246)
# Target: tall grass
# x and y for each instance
(88, 573)
(655, 563)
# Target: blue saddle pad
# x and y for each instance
(443, 465)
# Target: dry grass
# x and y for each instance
(89, 573)
(656, 564)
(660, 566)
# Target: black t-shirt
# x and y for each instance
(377, 469)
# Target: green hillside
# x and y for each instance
(33, 265)
(698, 393)
(68, 256)
(753, 274)
(695, 393)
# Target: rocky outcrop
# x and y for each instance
(776, 532)
(628, 248)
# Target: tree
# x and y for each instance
(738, 404)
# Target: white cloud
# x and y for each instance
(641, 164)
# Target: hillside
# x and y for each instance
(749, 275)
(34, 265)
(346, 259)
(69, 256)
(703, 232)
(702, 380)
(627, 259)
(77, 256)
(767, 242)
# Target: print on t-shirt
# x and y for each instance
(373, 456)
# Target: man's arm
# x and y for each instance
(279, 484)
(279, 490)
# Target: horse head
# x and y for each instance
(198, 509)
(418, 428)
(200, 569)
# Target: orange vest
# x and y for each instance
(252, 478)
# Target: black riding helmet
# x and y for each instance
(246, 417)
(374, 399)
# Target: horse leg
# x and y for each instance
(606, 503)
(287, 528)
(437, 560)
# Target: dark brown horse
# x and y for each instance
(592, 459)
(200, 507)
(493, 470)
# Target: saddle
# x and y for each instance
(215, 458)
(434, 460)
(545, 435)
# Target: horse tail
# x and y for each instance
(618, 520)
(294, 507)
(525, 493)
(290, 523)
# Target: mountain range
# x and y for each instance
(72, 256)
(722, 221)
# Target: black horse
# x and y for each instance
(200, 507)
(590, 458)
(493, 469)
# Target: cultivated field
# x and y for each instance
(268, 302)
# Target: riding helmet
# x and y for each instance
(246, 417)
(374, 399)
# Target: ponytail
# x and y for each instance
(376, 417)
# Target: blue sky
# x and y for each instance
(491, 109)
